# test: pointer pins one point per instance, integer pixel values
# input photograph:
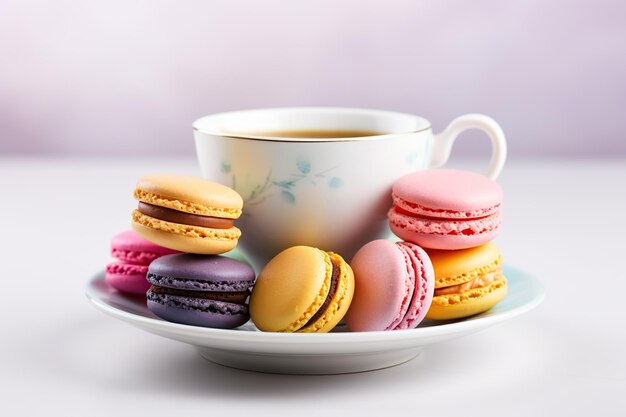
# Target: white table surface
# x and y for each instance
(564, 222)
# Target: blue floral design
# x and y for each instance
(303, 164)
(335, 182)
(254, 192)
(288, 197)
(225, 167)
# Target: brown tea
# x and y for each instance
(317, 134)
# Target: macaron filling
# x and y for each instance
(334, 283)
(237, 297)
(180, 217)
(438, 226)
(478, 282)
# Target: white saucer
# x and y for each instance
(331, 353)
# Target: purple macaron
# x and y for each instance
(200, 290)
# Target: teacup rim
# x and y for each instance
(426, 125)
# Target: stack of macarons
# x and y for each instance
(454, 215)
(194, 216)
(181, 225)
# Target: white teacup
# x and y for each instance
(331, 193)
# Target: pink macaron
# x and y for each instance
(134, 254)
(394, 285)
(446, 209)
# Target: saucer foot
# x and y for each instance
(308, 364)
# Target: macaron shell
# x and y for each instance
(441, 190)
(340, 303)
(458, 267)
(129, 247)
(424, 285)
(420, 210)
(468, 303)
(290, 289)
(189, 194)
(444, 234)
(197, 311)
(127, 278)
(214, 273)
(377, 302)
(183, 238)
(410, 286)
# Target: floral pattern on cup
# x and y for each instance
(255, 192)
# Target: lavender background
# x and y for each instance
(129, 77)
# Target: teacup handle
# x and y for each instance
(442, 143)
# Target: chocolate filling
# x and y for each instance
(229, 297)
(334, 283)
(175, 216)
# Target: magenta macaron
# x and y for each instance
(133, 254)
(446, 209)
(394, 285)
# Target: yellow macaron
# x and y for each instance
(187, 214)
(467, 281)
(302, 289)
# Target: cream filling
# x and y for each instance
(481, 281)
